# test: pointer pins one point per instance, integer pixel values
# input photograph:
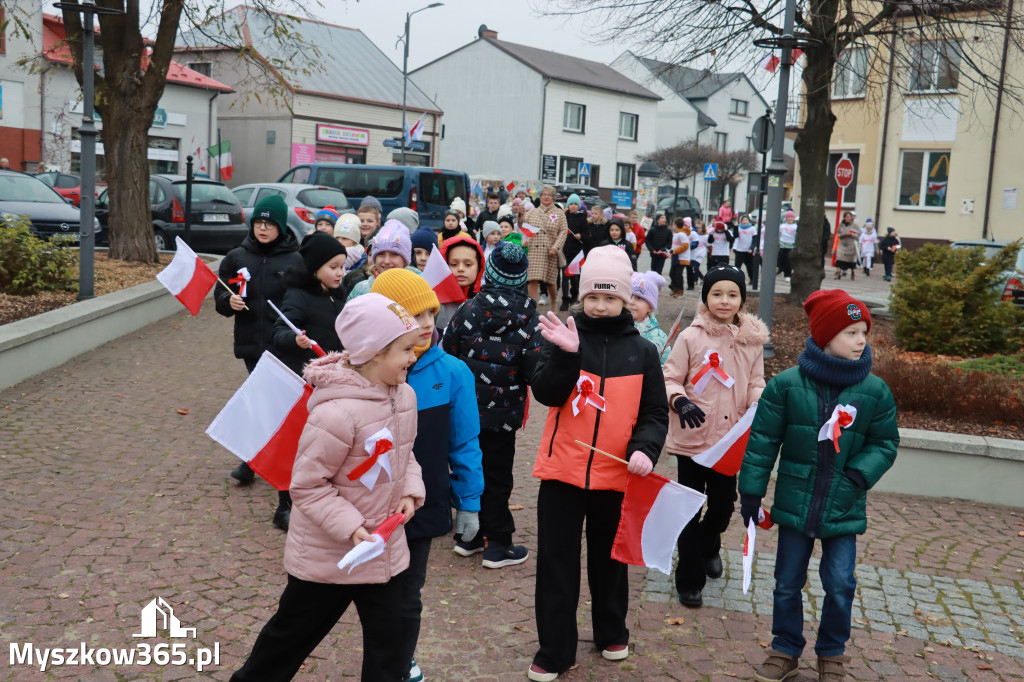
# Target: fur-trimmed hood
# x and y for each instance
(333, 379)
(750, 332)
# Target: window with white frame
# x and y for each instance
(721, 140)
(851, 73)
(574, 119)
(628, 126)
(924, 179)
(570, 169)
(935, 67)
(738, 107)
(624, 174)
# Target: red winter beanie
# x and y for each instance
(833, 311)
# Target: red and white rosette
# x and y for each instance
(586, 394)
(378, 445)
(842, 417)
(242, 280)
(711, 369)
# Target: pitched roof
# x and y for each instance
(687, 82)
(573, 69)
(55, 49)
(350, 66)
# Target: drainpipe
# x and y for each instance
(543, 114)
(42, 111)
(885, 132)
(209, 125)
(995, 125)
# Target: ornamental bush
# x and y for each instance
(29, 264)
(945, 301)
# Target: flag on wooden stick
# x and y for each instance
(187, 277)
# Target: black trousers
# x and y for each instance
(746, 259)
(499, 450)
(305, 615)
(715, 260)
(783, 263)
(888, 260)
(695, 273)
(410, 584)
(570, 287)
(701, 539)
(657, 263)
(561, 512)
(675, 274)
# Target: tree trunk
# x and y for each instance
(812, 145)
(126, 145)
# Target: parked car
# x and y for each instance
(304, 201)
(683, 206)
(67, 185)
(587, 193)
(217, 221)
(428, 191)
(51, 215)
(1011, 287)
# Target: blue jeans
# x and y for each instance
(838, 560)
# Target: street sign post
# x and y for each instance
(414, 146)
(763, 135)
(710, 171)
(584, 170)
(843, 176)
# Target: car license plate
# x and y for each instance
(216, 218)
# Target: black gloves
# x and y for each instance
(856, 477)
(749, 508)
(689, 414)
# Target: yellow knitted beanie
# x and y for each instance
(407, 289)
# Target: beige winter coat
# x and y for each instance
(344, 410)
(742, 358)
(849, 237)
(553, 230)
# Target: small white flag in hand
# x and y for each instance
(374, 547)
(748, 555)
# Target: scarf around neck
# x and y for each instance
(834, 371)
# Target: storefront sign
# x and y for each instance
(326, 133)
(549, 168)
(622, 198)
(303, 153)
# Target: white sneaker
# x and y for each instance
(616, 653)
(543, 300)
(788, 279)
(538, 675)
(415, 673)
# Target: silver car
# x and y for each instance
(304, 201)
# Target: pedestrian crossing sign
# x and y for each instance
(710, 171)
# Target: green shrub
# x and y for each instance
(945, 301)
(1007, 365)
(29, 264)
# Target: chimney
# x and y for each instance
(484, 32)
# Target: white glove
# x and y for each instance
(467, 525)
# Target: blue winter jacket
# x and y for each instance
(447, 444)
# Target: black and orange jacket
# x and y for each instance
(626, 371)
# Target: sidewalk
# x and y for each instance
(111, 498)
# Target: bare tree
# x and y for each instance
(681, 161)
(731, 166)
(896, 33)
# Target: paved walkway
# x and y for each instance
(112, 498)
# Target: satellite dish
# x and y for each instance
(480, 31)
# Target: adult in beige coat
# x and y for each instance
(546, 244)
(846, 253)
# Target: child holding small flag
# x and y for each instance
(257, 268)
(713, 375)
(447, 448)
(642, 304)
(354, 470)
(603, 385)
(497, 335)
(832, 426)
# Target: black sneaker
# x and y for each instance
(565, 306)
(691, 599)
(474, 546)
(713, 567)
(281, 517)
(499, 556)
(243, 473)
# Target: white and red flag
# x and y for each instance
(726, 455)
(586, 395)
(378, 446)
(187, 277)
(654, 512)
(441, 279)
(772, 61)
(372, 548)
(573, 268)
(263, 420)
(529, 231)
(764, 520)
(673, 331)
(842, 417)
(711, 369)
(509, 187)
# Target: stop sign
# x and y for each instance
(844, 173)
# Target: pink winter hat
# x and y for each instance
(393, 237)
(607, 270)
(368, 323)
(646, 285)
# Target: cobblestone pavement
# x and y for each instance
(111, 498)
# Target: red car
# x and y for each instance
(67, 185)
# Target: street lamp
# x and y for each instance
(405, 68)
(87, 131)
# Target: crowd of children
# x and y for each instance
(416, 406)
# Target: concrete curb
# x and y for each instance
(42, 342)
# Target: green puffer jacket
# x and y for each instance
(812, 494)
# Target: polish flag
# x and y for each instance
(726, 455)
(263, 420)
(772, 61)
(673, 331)
(442, 280)
(529, 231)
(654, 512)
(573, 268)
(187, 277)
(510, 186)
(374, 547)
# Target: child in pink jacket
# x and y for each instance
(707, 411)
(345, 483)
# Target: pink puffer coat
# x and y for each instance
(742, 358)
(344, 410)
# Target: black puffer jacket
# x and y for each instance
(577, 223)
(594, 234)
(314, 310)
(267, 266)
(497, 334)
(659, 238)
